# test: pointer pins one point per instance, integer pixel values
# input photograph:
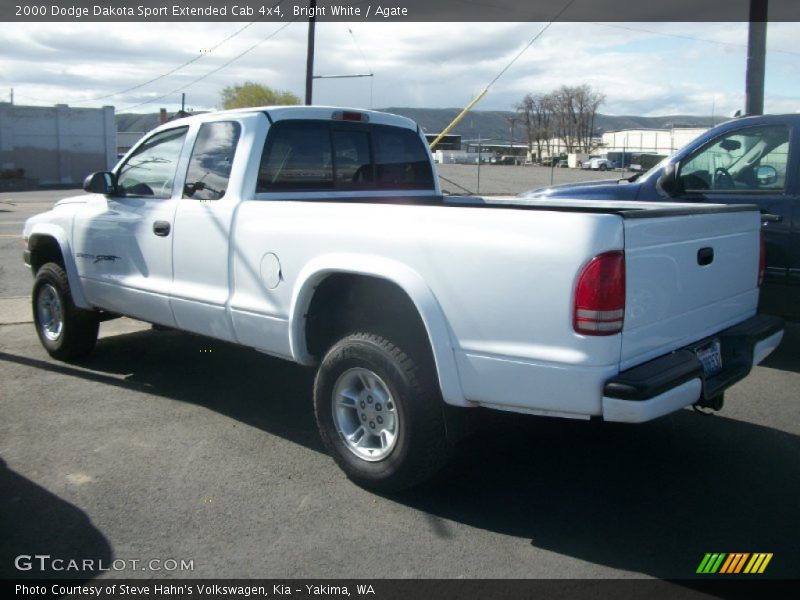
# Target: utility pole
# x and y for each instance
(312, 20)
(756, 58)
(512, 121)
(183, 102)
(478, 191)
(310, 77)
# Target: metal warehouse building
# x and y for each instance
(656, 141)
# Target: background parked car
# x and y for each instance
(751, 160)
(597, 163)
(507, 160)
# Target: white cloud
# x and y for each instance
(638, 68)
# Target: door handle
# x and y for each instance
(705, 256)
(770, 218)
(161, 228)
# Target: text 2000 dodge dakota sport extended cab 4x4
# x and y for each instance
(320, 235)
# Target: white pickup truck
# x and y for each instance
(320, 235)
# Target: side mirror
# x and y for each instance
(668, 182)
(102, 182)
(766, 175)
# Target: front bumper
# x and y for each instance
(676, 380)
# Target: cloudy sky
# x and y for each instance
(642, 68)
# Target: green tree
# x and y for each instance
(254, 94)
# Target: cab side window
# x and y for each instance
(753, 159)
(211, 161)
(150, 171)
(297, 156)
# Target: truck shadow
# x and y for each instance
(251, 387)
(37, 522)
(651, 498)
(787, 356)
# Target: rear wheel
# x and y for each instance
(66, 331)
(379, 413)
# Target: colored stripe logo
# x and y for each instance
(735, 562)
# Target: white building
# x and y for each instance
(656, 141)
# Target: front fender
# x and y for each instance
(60, 236)
(401, 275)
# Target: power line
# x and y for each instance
(343, 76)
(485, 90)
(178, 68)
(225, 64)
(213, 71)
(175, 70)
(355, 43)
(366, 64)
(689, 37)
(529, 44)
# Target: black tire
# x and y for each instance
(420, 447)
(603, 167)
(78, 332)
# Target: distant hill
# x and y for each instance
(491, 124)
(488, 124)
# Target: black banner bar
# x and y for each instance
(404, 589)
(391, 11)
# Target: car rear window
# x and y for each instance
(325, 155)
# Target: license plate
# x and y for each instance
(711, 357)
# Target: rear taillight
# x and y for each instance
(762, 258)
(600, 295)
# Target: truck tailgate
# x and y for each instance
(688, 276)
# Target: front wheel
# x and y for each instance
(379, 413)
(66, 331)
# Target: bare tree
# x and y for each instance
(536, 112)
(587, 101)
(572, 112)
(563, 116)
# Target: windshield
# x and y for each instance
(754, 158)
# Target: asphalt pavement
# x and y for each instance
(168, 446)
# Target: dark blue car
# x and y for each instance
(751, 160)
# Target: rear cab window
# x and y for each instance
(342, 156)
(400, 161)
